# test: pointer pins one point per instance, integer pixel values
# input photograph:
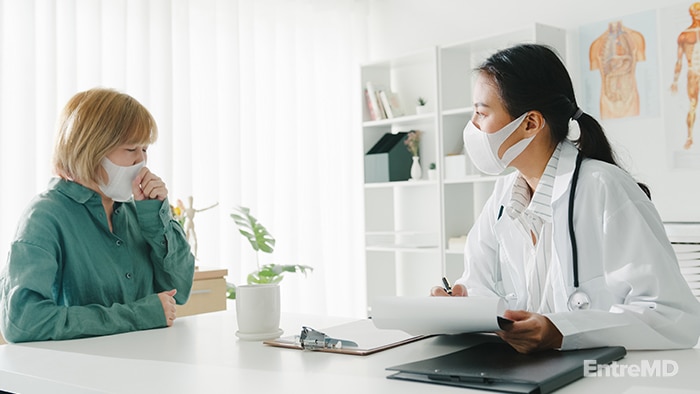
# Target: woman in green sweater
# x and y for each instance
(98, 252)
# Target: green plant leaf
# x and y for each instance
(230, 291)
(261, 241)
(258, 236)
(304, 269)
(274, 273)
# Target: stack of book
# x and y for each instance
(382, 103)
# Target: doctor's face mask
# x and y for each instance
(483, 147)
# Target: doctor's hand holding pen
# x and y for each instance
(526, 332)
(448, 291)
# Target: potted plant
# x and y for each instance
(258, 302)
(421, 108)
(260, 240)
(432, 171)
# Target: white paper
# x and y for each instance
(437, 315)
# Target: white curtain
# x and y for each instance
(257, 105)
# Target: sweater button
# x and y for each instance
(128, 275)
(119, 242)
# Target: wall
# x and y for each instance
(397, 27)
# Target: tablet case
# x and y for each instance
(496, 366)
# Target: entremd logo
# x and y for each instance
(648, 368)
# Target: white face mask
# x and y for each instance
(118, 187)
(483, 147)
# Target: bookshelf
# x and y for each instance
(409, 223)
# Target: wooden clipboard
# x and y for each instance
(369, 338)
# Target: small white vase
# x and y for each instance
(416, 171)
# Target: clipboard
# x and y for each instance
(359, 338)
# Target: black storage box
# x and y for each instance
(389, 159)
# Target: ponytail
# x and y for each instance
(593, 143)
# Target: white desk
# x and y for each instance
(201, 354)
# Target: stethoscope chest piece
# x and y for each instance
(579, 300)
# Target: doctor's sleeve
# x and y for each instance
(654, 307)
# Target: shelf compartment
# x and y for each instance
(415, 241)
(408, 77)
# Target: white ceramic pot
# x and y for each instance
(258, 312)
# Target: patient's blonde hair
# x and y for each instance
(92, 124)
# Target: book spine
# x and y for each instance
(372, 103)
(386, 104)
(372, 113)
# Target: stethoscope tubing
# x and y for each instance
(572, 235)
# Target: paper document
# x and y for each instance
(439, 315)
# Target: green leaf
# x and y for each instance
(262, 241)
(230, 291)
(274, 273)
(258, 277)
(258, 236)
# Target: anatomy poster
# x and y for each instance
(619, 67)
(679, 35)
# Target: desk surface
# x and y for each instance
(201, 354)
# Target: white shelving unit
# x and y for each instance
(685, 240)
(408, 223)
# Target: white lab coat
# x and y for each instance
(639, 299)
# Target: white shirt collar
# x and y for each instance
(539, 204)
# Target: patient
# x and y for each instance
(98, 252)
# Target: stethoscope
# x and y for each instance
(578, 300)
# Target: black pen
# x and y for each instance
(448, 289)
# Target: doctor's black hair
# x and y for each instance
(533, 77)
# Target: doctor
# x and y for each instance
(610, 279)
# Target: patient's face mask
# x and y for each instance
(118, 187)
(483, 147)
